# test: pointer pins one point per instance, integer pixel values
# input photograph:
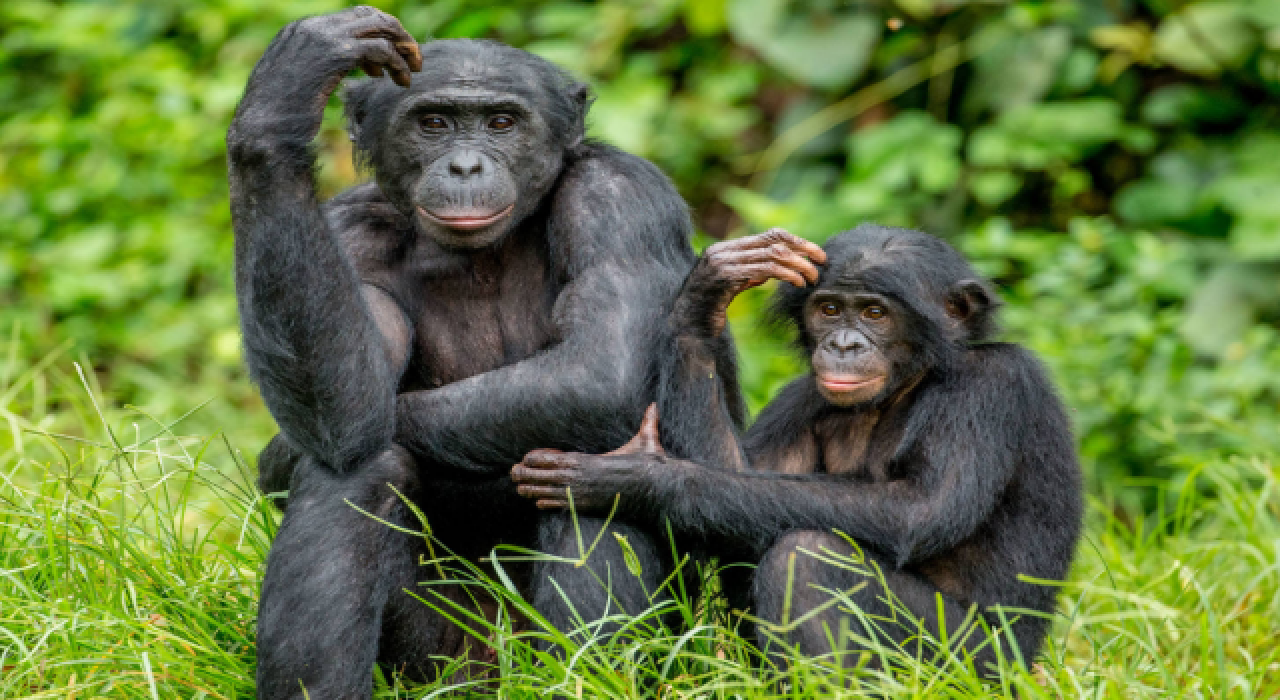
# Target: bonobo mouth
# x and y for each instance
(841, 385)
(466, 222)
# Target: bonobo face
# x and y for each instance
(465, 155)
(892, 305)
(854, 337)
(475, 143)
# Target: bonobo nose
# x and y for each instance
(466, 163)
(846, 341)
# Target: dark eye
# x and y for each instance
(875, 313)
(829, 308)
(434, 122)
(501, 123)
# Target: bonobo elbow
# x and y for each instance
(246, 146)
(254, 145)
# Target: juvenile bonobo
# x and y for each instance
(501, 286)
(946, 457)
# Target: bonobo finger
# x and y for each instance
(381, 52)
(526, 476)
(778, 253)
(550, 459)
(548, 504)
(794, 261)
(731, 246)
(765, 241)
(808, 249)
(538, 492)
(772, 270)
(522, 474)
(374, 23)
(412, 54)
(371, 68)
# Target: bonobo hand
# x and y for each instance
(548, 475)
(308, 58)
(728, 268)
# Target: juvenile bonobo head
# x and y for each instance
(474, 144)
(890, 305)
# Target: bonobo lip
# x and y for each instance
(844, 384)
(467, 223)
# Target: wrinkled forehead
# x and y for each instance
(475, 75)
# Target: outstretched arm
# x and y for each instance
(957, 469)
(325, 349)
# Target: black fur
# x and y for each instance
(395, 350)
(954, 479)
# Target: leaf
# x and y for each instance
(1226, 304)
(824, 51)
(1206, 38)
(993, 188)
(1156, 201)
(1187, 104)
(1020, 70)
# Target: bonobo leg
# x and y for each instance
(836, 632)
(603, 587)
(329, 577)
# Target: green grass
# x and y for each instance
(130, 558)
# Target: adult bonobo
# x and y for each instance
(946, 457)
(500, 287)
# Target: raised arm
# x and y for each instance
(697, 416)
(325, 349)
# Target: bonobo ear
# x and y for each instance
(971, 302)
(967, 298)
(357, 95)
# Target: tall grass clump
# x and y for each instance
(130, 560)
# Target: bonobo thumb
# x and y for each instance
(646, 440)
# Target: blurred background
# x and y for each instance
(1113, 164)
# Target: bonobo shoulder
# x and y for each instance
(623, 203)
(601, 164)
(371, 230)
(1007, 369)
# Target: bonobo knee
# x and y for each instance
(392, 471)
(372, 486)
(795, 562)
(806, 546)
(394, 466)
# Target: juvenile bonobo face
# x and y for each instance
(854, 340)
(891, 306)
(474, 144)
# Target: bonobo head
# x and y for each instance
(891, 304)
(474, 144)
